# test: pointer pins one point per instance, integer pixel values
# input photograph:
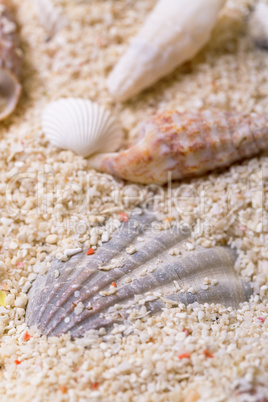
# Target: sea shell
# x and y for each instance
(10, 62)
(49, 16)
(140, 266)
(81, 126)
(258, 25)
(180, 145)
(173, 33)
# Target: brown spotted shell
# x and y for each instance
(182, 145)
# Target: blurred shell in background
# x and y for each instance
(258, 25)
(173, 33)
(81, 126)
(50, 17)
(10, 62)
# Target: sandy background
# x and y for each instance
(42, 191)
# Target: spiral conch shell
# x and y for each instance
(173, 33)
(10, 62)
(81, 126)
(141, 270)
(181, 145)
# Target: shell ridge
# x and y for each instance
(125, 227)
(45, 295)
(130, 265)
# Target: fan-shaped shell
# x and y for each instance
(160, 267)
(81, 126)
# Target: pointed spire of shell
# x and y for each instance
(173, 33)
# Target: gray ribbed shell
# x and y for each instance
(151, 268)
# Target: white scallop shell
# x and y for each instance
(81, 126)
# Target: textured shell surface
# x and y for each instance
(81, 126)
(10, 62)
(258, 25)
(173, 33)
(181, 145)
(49, 16)
(140, 271)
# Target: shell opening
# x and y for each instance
(9, 93)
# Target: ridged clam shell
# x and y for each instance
(258, 25)
(79, 295)
(81, 126)
(10, 62)
(173, 33)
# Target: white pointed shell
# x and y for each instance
(173, 33)
(81, 126)
(258, 25)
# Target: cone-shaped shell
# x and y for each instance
(173, 33)
(140, 265)
(10, 63)
(180, 145)
(81, 126)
